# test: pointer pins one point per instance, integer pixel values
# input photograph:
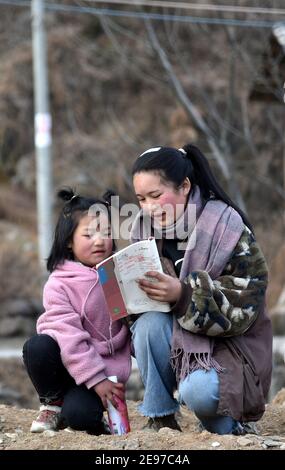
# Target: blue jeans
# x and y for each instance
(152, 333)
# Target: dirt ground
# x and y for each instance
(15, 424)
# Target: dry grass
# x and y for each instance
(19, 271)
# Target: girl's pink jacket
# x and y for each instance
(76, 317)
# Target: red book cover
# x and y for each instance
(110, 285)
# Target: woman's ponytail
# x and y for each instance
(203, 176)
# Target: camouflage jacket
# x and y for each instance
(228, 305)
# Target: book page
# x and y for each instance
(132, 263)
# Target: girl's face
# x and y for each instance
(159, 199)
(92, 240)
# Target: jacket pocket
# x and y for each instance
(253, 398)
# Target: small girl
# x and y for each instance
(76, 347)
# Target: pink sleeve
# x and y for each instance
(64, 325)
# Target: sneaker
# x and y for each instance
(49, 419)
(238, 429)
(241, 429)
(169, 421)
(250, 428)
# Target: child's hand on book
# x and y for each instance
(161, 286)
(108, 390)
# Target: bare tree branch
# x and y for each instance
(192, 110)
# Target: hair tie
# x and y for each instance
(182, 151)
(151, 150)
(75, 195)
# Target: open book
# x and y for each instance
(118, 275)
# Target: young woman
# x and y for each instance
(215, 346)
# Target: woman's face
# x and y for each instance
(159, 199)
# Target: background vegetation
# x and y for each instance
(121, 85)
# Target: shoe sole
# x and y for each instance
(39, 427)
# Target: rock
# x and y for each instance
(167, 430)
(244, 441)
(216, 444)
(49, 433)
(11, 435)
(271, 443)
(69, 430)
(278, 438)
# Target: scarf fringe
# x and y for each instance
(184, 363)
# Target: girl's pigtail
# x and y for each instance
(107, 196)
(66, 194)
